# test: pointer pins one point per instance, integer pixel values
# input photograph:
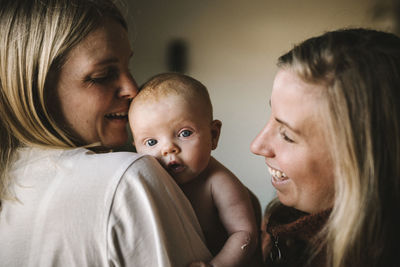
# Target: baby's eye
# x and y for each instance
(151, 142)
(185, 133)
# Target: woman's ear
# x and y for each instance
(215, 132)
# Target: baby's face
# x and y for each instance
(175, 132)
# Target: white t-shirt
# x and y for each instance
(78, 208)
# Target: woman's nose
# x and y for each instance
(128, 88)
(262, 145)
(170, 148)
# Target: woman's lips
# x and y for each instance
(276, 173)
(278, 177)
(117, 116)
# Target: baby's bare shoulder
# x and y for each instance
(225, 186)
(218, 173)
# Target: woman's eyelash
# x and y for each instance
(97, 80)
(282, 132)
(108, 76)
(287, 138)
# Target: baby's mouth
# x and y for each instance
(117, 116)
(175, 167)
(278, 175)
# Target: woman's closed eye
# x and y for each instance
(185, 133)
(151, 142)
(103, 77)
(284, 135)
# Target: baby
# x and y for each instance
(171, 119)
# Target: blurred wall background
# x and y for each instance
(232, 47)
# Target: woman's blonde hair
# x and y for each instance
(360, 69)
(35, 38)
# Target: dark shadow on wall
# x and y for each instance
(177, 56)
(388, 9)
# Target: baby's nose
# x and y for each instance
(170, 148)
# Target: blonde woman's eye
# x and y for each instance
(185, 133)
(285, 137)
(108, 75)
(151, 142)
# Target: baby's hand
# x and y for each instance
(200, 264)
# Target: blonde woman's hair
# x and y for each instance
(35, 38)
(360, 69)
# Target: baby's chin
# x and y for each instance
(182, 178)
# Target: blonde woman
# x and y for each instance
(332, 145)
(65, 89)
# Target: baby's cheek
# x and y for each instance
(142, 149)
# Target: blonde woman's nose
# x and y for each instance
(128, 88)
(262, 145)
(170, 148)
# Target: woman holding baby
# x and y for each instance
(65, 90)
(332, 145)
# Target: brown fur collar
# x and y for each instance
(292, 235)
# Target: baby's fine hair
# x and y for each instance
(166, 84)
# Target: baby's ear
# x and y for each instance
(215, 132)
